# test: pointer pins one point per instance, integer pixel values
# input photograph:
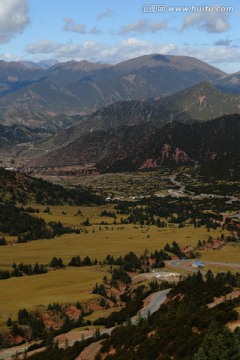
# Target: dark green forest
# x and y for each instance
(184, 327)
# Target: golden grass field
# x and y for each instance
(63, 286)
(106, 239)
(75, 284)
(230, 253)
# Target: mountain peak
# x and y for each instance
(169, 61)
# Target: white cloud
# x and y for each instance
(9, 57)
(212, 22)
(158, 25)
(44, 46)
(142, 26)
(72, 26)
(134, 47)
(13, 18)
(107, 13)
(215, 55)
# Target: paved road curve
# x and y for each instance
(156, 301)
(181, 264)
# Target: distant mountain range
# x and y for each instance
(83, 87)
(229, 84)
(44, 64)
(150, 111)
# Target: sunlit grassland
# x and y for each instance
(68, 215)
(64, 286)
(219, 268)
(75, 284)
(230, 253)
(100, 240)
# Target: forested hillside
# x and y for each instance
(18, 187)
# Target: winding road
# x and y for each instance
(183, 192)
(180, 264)
(157, 300)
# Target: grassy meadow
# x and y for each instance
(75, 284)
(35, 292)
(230, 253)
(100, 240)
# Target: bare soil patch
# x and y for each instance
(234, 294)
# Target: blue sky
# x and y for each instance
(116, 30)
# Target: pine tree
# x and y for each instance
(200, 355)
(9, 322)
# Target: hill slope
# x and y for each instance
(198, 103)
(22, 188)
(229, 84)
(213, 145)
(37, 120)
(13, 128)
(17, 134)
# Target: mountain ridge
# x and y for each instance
(83, 87)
